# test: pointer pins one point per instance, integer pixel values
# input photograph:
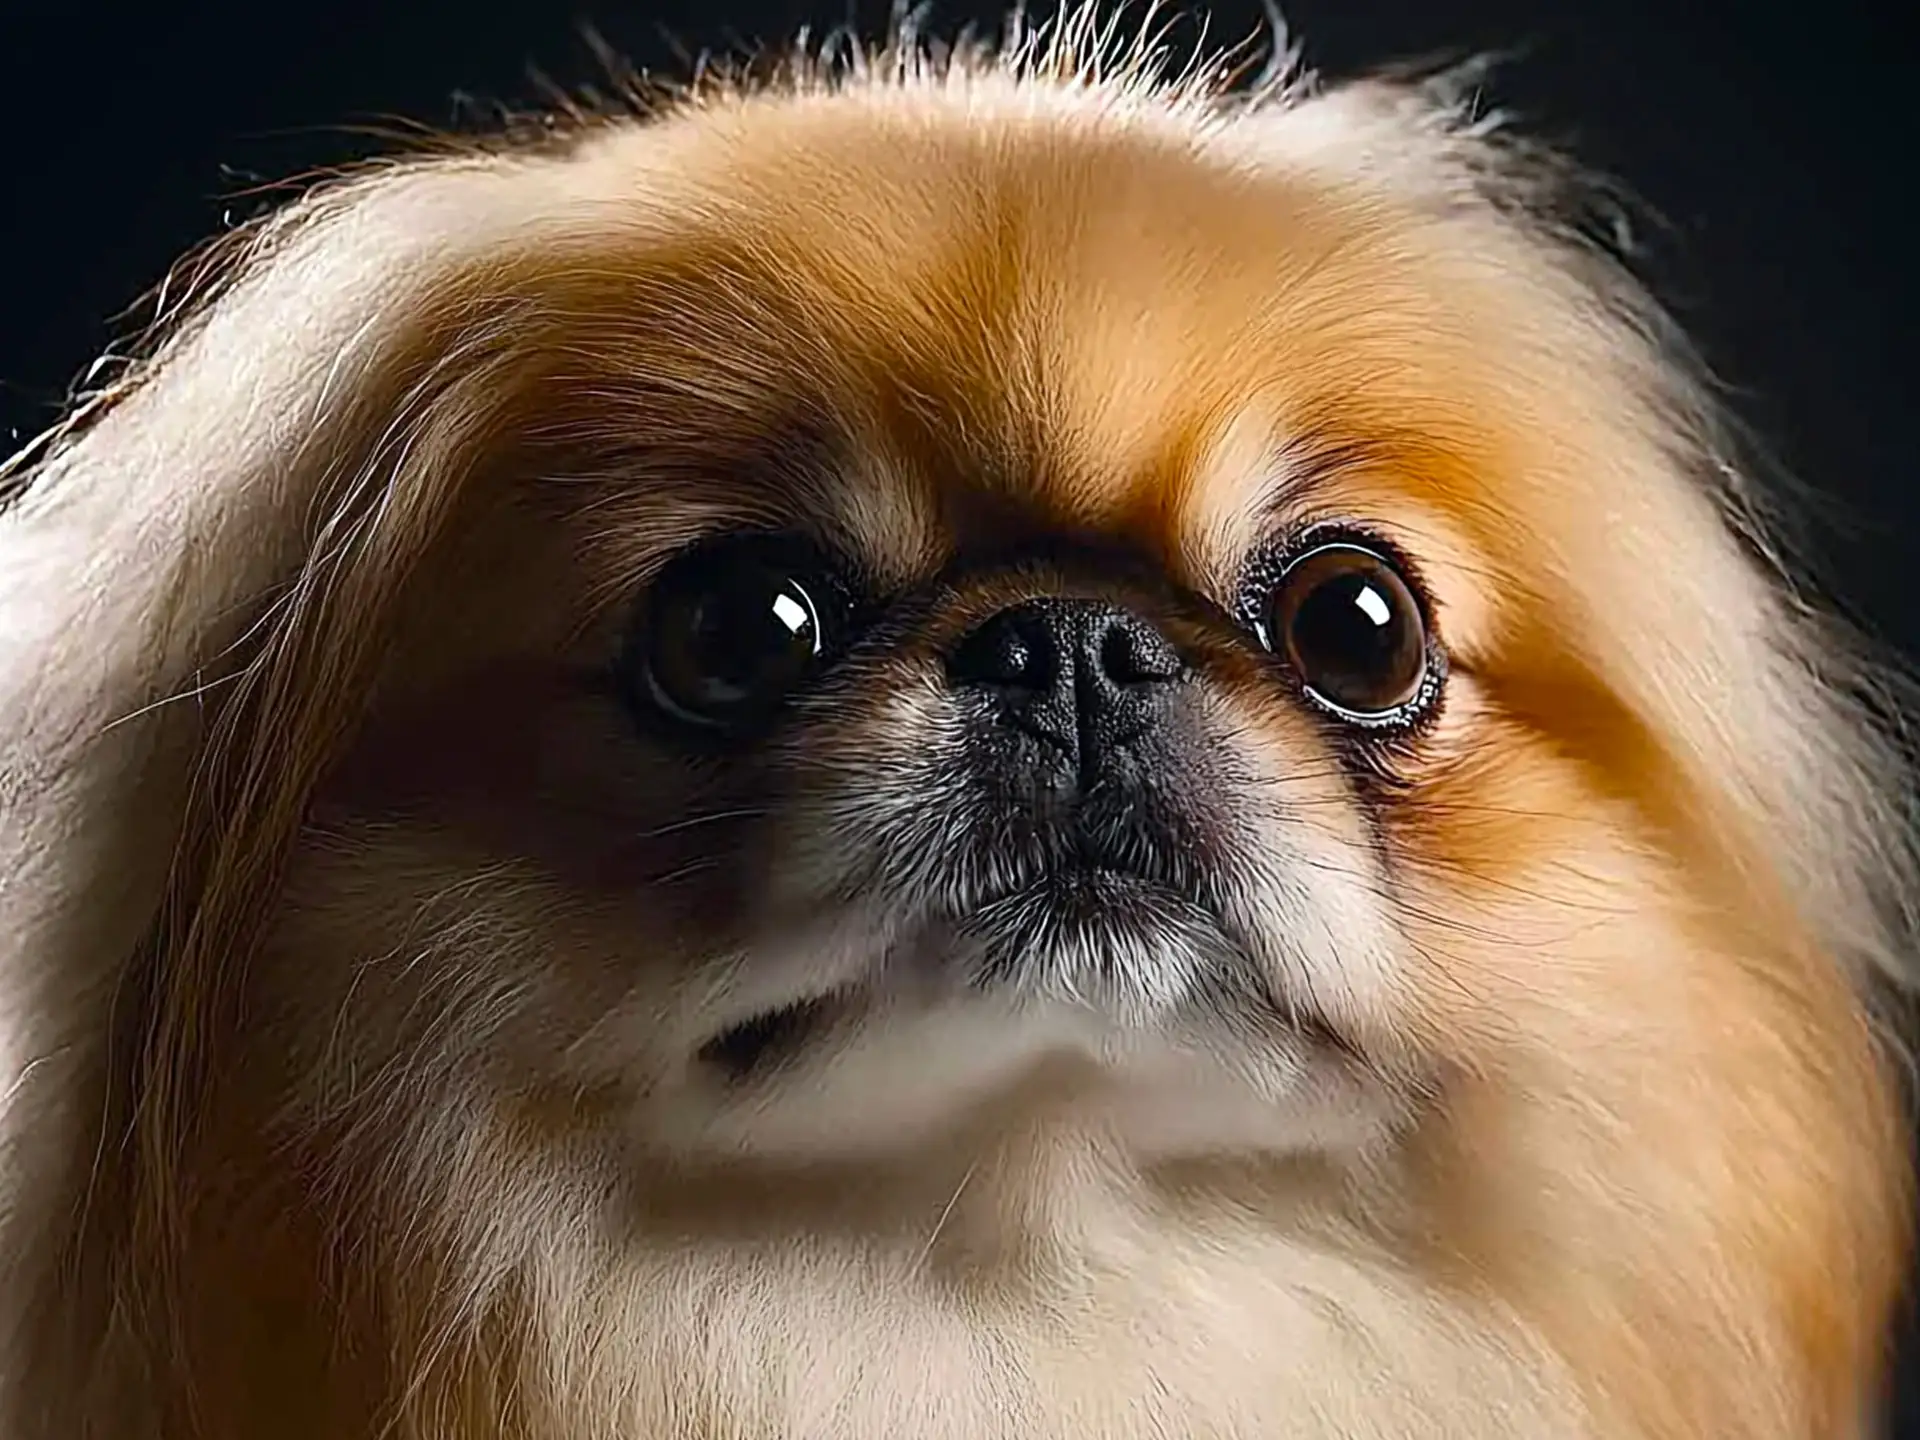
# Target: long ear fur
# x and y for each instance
(185, 578)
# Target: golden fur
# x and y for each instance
(331, 1115)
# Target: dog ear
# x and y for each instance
(194, 578)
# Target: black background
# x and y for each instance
(1774, 140)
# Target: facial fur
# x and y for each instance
(1048, 1015)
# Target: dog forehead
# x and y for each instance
(1030, 322)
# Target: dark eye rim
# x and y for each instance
(1271, 568)
(828, 583)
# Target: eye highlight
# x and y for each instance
(729, 631)
(1348, 623)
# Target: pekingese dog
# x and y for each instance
(971, 744)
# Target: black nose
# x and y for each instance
(1086, 677)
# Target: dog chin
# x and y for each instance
(1096, 1002)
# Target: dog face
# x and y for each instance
(1103, 747)
(1039, 676)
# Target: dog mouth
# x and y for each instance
(1088, 897)
(1088, 919)
(1087, 890)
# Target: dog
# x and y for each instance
(954, 742)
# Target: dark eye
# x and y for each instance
(730, 630)
(1348, 623)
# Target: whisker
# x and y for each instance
(708, 817)
(926, 1251)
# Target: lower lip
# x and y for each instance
(755, 1045)
(1090, 898)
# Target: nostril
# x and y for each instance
(1034, 647)
(1002, 652)
(1133, 652)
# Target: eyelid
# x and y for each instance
(1287, 548)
